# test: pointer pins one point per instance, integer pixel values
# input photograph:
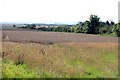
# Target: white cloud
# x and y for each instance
(57, 10)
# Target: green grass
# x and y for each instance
(10, 70)
(106, 34)
(110, 57)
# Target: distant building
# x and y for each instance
(40, 26)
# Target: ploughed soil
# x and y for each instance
(26, 36)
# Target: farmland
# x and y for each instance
(52, 37)
(56, 54)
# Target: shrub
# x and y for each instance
(116, 29)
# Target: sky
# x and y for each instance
(57, 11)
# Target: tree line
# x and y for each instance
(91, 26)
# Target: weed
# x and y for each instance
(20, 59)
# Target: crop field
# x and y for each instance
(33, 54)
(52, 37)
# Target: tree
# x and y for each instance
(93, 24)
(112, 23)
(102, 24)
(72, 29)
(79, 24)
(14, 25)
(85, 27)
(33, 25)
(107, 23)
(116, 30)
(76, 29)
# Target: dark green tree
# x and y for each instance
(93, 24)
(116, 29)
(14, 25)
(107, 23)
(112, 23)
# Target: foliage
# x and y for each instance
(116, 30)
(91, 26)
(105, 29)
(30, 26)
(56, 29)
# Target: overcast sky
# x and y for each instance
(57, 11)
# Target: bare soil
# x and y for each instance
(24, 36)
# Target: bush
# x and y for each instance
(116, 30)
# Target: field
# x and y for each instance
(30, 54)
(52, 37)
